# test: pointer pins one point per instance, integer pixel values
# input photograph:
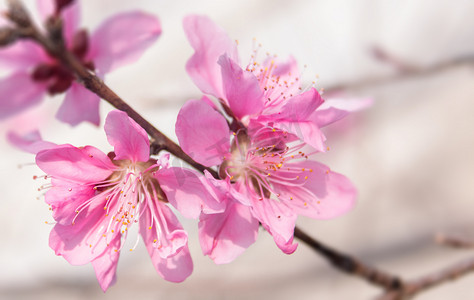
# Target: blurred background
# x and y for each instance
(410, 155)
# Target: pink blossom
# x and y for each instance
(120, 40)
(266, 93)
(266, 176)
(96, 198)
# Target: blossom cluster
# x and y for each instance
(255, 129)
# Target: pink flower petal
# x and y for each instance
(223, 237)
(123, 39)
(22, 56)
(277, 218)
(79, 105)
(301, 106)
(242, 89)
(64, 199)
(323, 195)
(209, 42)
(79, 165)
(105, 265)
(185, 191)
(30, 142)
(335, 109)
(130, 141)
(19, 92)
(202, 132)
(175, 264)
(81, 243)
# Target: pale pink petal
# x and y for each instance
(21, 56)
(46, 8)
(123, 39)
(185, 191)
(209, 42)
(79, 105)
(64, 199)
(307, 131)
(130, 141)
(334, 109)
(105, 265)
(82, 242)
(287, 246)
(166, 242)
(225, 236)
(301, 106)
(79, 165)
(176, 268)
(276, 217)
(202, 132)
(318, 193)
(30, 142)
(242, 89)
(18, 92)
(71, 17)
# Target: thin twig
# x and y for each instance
(349, 264)
(410, 288)
(455, 241)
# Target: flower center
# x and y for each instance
(264, 160)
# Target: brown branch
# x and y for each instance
(410, 288)
(454, 241)
(349, 264)
(404, 71)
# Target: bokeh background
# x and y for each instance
(410, 155)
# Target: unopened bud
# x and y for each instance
(18, 14)
(8, 36)
(61, 4)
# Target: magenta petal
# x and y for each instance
(185, 191)
(82, 242)
(105, 265)
(276, 217)
(21, 56)
(333, 110)
(225, 236)
(177, 265)
(64, 198)
(306, 131)
(30, 142)
(176, 268)
(209, 42)
(202, 132)
(242, 89)
(301, 106)
(79, 165)
(123, 39)
(130, 141)
(79, 105)
(19, 92)
(323, 195)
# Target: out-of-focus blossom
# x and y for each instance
(264, 93)
(120, 40)
(266, 177)
(96, 198)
